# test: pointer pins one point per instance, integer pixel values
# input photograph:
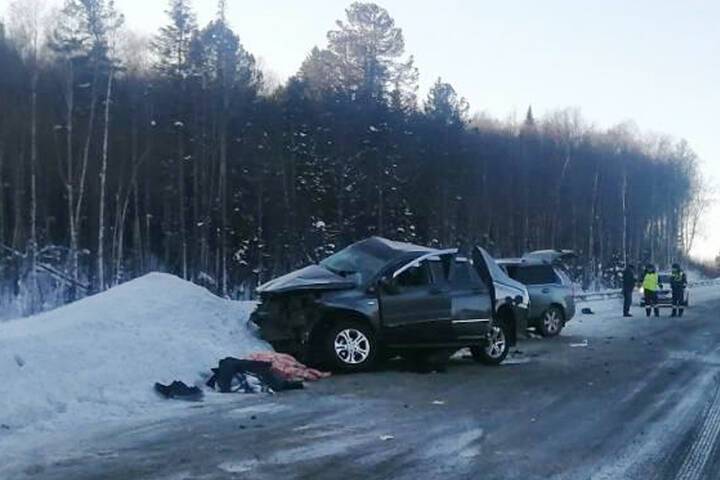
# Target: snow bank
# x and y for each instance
(96, 360)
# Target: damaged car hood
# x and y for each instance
(312, 277)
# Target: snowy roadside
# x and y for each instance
(607, 316)
(92, 364)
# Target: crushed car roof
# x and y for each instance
(391, 246)
(389, 250)
(315, 277)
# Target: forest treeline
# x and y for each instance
(119, 156)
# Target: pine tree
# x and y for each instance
(529, 118)
(174, 42)
(443, 105)
(367, 52)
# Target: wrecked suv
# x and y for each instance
(379, 296)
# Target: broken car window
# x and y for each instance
(359, 264)
(415, 276)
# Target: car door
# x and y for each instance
(416, 309)
(470, 302)
(484, 266)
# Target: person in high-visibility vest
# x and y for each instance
(678, 284)
(651, 285)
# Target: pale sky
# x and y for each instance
(655, 62)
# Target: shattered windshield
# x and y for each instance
(354, 263)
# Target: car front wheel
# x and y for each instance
(496, 349)
(351, 347)
(552, 322)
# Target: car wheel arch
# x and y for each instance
(330, 316)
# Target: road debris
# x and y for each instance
(584, 343)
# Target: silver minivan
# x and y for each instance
(552, 293)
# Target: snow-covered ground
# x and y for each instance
(94, 362)
(607, 318)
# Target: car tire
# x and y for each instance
(552, 322)
(351, 347)
(495, 351)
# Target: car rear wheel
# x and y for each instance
(496, 349)
(350, 347)
(552, 322)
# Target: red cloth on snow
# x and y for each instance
(288, 367)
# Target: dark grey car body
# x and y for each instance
(429, 306)
(552, 294)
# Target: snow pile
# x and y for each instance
(97, 359)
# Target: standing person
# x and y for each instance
(678, 283)
(628, 283)
(651, 285)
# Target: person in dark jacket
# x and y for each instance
(628, 285)
(678, 284)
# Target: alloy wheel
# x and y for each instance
(496, 343)
(552, 321)
(352, 346)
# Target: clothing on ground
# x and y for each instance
(180, 391)
(288, 367)
(249, 376)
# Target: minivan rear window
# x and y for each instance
(533, 274)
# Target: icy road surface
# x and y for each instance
(611, 398)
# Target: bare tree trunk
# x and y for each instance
(137, 231)
(103, 182)
(33, 185)
(2, 192)
(181, 203)
(86, 147)
(624, 214)
(223, 189)
(195, 224)
(593, 214)
(556, 205)
(70, 177)
(380, 198)
(260, 233)
(18, 239)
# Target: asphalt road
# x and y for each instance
(630, 398)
